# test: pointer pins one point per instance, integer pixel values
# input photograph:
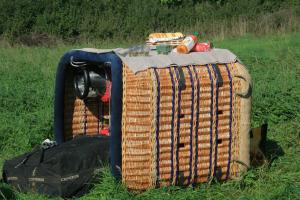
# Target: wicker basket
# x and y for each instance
(173, 135)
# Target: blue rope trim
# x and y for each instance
(217, 117)
(191, 125)
(230, 123)
(211, 119)
(157, 125)
(178, 129)
(172, 125)
(197, 126)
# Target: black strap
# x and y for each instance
(181, 80)
(219, 76)
(180, 180)
(31, 153)
(42, 155)
(27, 157)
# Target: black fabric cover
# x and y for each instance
(64, 170)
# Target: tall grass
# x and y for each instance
(281, 21)
(26, 116)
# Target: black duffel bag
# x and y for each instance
(65, 170)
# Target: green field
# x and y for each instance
(26, 118)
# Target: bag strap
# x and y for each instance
(27, 157)
(45, 145)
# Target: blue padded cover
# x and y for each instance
(116, 100)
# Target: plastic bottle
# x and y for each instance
(187, 44)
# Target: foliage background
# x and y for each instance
(26, 21)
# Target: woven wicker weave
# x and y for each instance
(82, 118)
(175, 136)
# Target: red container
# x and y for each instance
(202, 47)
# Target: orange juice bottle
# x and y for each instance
(187, 44)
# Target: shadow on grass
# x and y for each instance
(263, 150)
(273, 151)
(6, 192)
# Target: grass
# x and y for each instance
(26, 116)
